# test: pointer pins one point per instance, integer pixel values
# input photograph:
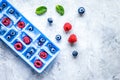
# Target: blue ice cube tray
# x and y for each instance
(25, 39)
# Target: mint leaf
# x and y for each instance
(60, 9)
(41, 10)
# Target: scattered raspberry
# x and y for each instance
(72, 39)
(67, 27)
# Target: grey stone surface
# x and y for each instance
(98, 33)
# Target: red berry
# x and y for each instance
(72, 39)
(18, 46)
(67, 27)
(6, 21)
(26, 40)
(38, 63)
(21, 24)
(43, 55)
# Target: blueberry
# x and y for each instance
(32, 51)
(28, 55)
(50, 20)
(11, 11)
(81, 10)
(49, 45)
(58, 37)
(39, 43)
(30, 28)
(8, 37)
(42, 40)
(52, 50)
(75, 53)
(4, 5)
(12, 33)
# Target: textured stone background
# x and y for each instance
(98, 43)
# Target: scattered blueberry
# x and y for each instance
(75, 53)
(58, 37)
(50, 20)
(81, 10)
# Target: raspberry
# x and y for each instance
(67, 27)
(72, 39)
(43, 55)
(6, 21)
(18, 46)
(38, 64)
(21, 24)
(26, 40)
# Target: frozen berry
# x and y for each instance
(32, 50)
(81, 10)
(26, 40)
(8, 37)
(50, 20)
(38, 64)
(11, 11)
(12, 33)
(6, 21)
(4, 5)
(43, 55)
(42, 40)
(28, 55)
(72, 38)
(75, 53)
(18, 46)
(58, 37)
(52, 50)
(21, 24)
(67, 27)
(30, 28)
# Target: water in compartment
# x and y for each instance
(11, 35)
(13, 14)
(29, 52)
(52, 48)
(32, 31)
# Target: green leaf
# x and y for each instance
(41, 10)
(60, 9)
